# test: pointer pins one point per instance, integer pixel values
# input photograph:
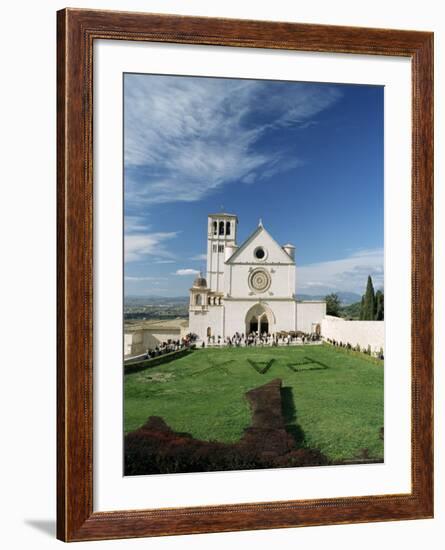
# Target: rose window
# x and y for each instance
(259, 280)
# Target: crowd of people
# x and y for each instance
(170, 346)
(348, 346)
(252, 339)
(262, 339)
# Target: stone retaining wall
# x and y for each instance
(362, 333)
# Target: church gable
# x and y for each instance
(260, 248)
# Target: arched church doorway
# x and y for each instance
(264, 325)
(259, 319)
(253, 325)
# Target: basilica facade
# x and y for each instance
(248, 287)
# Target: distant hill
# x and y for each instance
(346, 298)
(154, 300)
(155, 307)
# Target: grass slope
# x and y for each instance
(332, 400)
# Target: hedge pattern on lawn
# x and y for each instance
(221, 366)
(156, 449)
(307, 365)
(261, 366)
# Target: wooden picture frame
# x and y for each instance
(77, 31)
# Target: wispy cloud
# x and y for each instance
(199, 257)
(160, 261)
(345, 274)
(139, 246)
(186, 272)
(135, 224)
(187, 137)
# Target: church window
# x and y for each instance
(259, 280)
(259, 253)
(214, 248)
(221, 228)
(220, 248)
(227, 228)
(198, 300)
(215, 228)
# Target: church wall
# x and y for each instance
(285, 315)
(200, 321)
(235, 316)
(274, 251)
(363, 333)
(282, 281)
(309, 313)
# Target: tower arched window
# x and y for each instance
(198, 300)
(227, 228)
(215, 228)
(221, 228)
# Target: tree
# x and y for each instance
(333, 305)
(369, 309)
(380, 306)
(362, 303)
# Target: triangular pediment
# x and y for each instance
(260, 238)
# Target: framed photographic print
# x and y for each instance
(245, 228)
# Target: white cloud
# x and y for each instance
(199, 257)
(185, 137)
(186, 272)
(133, 224)
(347, 274)
(140, 245)
(160, 261)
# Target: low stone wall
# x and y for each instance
(137, 365)
(139, 341)
(362, 333)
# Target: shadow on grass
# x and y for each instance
(272, 440)
(290, 416)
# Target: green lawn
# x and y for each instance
(332, 399)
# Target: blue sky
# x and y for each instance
(307, 158)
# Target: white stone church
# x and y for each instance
(248, 287)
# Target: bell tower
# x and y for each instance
(221, 243)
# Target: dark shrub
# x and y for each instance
(156, 449)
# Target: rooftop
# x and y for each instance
(223, 215)
(155, 324)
